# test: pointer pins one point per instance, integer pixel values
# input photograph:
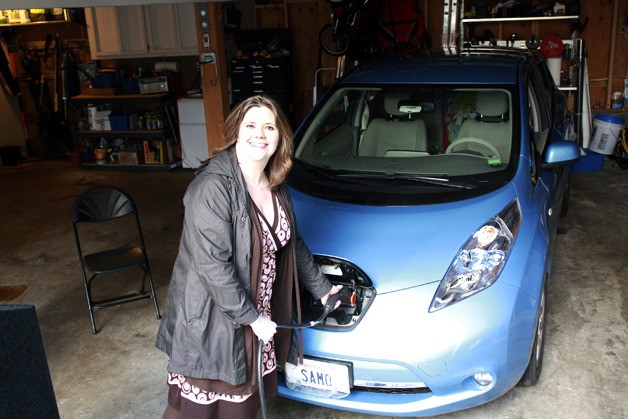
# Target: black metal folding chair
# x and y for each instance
(103, 204)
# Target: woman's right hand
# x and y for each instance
(264, 328)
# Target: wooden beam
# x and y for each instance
(213, 75)
(611, 55)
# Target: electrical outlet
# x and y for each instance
(207, 58)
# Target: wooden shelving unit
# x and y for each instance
(166, 136)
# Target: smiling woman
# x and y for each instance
(239, 256)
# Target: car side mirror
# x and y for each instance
(561, 153)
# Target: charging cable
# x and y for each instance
(328, 307)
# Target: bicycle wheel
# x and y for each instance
(335, 45)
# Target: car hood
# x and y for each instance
(397, 247)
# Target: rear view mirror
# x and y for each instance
(412, 106)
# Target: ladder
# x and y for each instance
(451, 29)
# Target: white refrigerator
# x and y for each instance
(192, 131)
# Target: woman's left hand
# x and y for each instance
(333, 291)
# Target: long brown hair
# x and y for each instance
(280, 162)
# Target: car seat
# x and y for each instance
(491, 124)
(397, 134)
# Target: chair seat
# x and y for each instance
(115, 260)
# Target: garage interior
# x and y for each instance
(118, 372)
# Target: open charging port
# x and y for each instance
(357, 294)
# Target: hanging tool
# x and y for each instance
(55, 103)
(42, 81)
(207, 56)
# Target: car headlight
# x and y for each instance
(480, 261)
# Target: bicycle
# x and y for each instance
(349, 18)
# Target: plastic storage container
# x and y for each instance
(124, 120)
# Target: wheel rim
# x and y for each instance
(334, 44)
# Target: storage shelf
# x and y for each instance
(610, 110)
(40, 23)
(129, 168)
(166, 137)
(96, 99)
(516, 19)
(143, 134)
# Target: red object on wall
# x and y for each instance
(401, 26)
(552, 46)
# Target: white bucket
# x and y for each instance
(554, 64)
(606, 132)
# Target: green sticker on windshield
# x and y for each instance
(494, 161)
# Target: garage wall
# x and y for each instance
(607, 45)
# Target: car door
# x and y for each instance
(542, 115)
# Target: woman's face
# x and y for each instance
(258, 136)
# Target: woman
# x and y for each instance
(239, 259)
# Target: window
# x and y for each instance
(539, 105)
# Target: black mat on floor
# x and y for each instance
(25, 384)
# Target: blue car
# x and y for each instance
(431, 188)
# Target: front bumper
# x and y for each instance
(399, 341)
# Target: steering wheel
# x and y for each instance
(480, 141)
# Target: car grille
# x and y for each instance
(387, 389)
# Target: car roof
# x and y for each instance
(490, 68)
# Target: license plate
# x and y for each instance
(322, 378)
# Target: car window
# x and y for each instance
(539, 107)
(335, 130)
(442, 130)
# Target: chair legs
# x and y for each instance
(153, 294)
(141, 294)
(88, 295)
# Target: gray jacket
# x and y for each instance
(208, 300)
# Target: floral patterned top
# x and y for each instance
(275, 235)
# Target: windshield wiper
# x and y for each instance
(443, 181)
(316, 169)
(431, 180)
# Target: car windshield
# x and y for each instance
(436, 138)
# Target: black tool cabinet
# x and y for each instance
(263, 67)
(262, 75)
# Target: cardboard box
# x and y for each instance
(99, 121)
(153, 152)
(130, 158)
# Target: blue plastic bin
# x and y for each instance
(124, 120)
(590, 162)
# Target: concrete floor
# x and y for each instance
(119, 373)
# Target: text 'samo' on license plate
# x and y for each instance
(321, 378)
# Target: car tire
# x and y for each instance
(535, 365)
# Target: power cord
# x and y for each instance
(328, 307)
